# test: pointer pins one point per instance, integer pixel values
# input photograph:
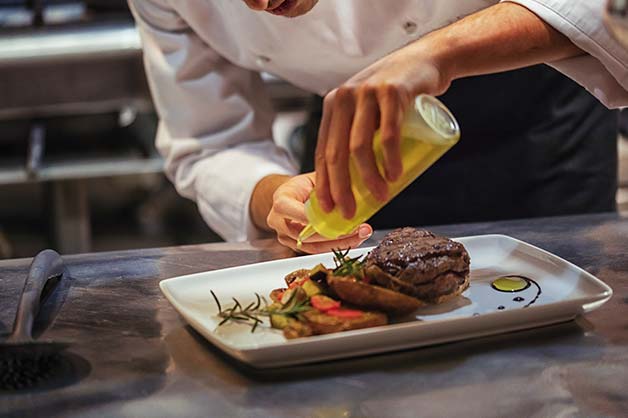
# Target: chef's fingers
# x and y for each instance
(257, 4)
(316, 247)
(290, 208)
(361, 143)
(293, 229)
(322, 178)
(337, 151)
(391, 109)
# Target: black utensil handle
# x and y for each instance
(46, 265)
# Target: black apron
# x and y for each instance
(533, 143)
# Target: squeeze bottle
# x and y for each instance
(427, 132)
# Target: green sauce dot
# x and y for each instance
(510, 284)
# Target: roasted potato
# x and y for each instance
(276, 294)
(297, 329)
(297, 274)
(373, 297)
(322, 323)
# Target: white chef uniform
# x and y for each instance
(203, 59)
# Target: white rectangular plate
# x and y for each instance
(566, 292)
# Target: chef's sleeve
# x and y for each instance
(603, 70)
(215, 129)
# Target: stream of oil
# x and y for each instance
(514, 284)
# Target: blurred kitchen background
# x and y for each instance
(78, 169)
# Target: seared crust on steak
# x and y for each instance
(420, 264)
(437, 291)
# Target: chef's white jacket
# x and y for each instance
(203, 59)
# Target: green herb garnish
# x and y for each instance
(251, 313)
(347, 266)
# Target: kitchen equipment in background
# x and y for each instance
(74, 106)
(76, 113)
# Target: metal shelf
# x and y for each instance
(81, 170)
(77, 42)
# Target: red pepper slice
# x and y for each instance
(345, 313)
(324, 303)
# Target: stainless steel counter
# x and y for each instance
(140, 358)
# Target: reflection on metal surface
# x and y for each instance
(63, 13)
(36, 145)
(82, 169)
(81, 42)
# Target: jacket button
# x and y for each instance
(410, 27)
(262, 60)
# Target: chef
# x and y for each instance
(534, 141)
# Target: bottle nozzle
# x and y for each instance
(306, 233)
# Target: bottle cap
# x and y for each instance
(437, 116)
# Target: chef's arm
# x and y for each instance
(603, 69)
(262, 199)
(566, 34)
(215, 120)
(500, 38)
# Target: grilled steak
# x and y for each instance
(420, 264)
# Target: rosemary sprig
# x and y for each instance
(292, 311)
(251, 313)
(347, 266)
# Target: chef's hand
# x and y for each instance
(375, 98)
(287, 216)
(499, 38)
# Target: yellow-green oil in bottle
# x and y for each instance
(429, 130)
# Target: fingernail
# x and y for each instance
(364, 232)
